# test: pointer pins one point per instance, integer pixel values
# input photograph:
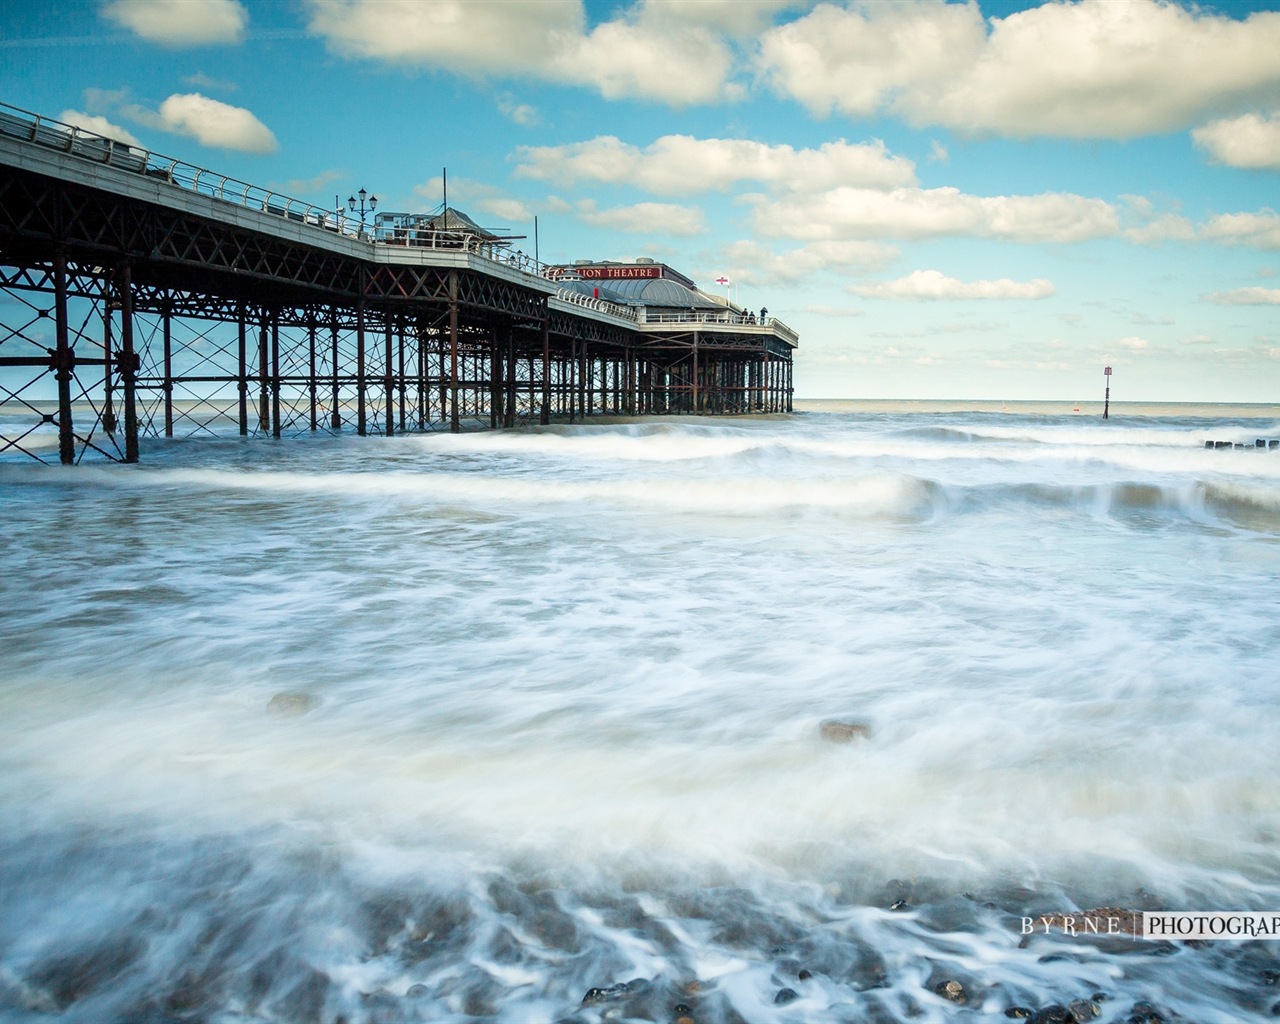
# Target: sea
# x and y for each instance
(747, 719)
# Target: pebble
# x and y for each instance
(293, 703)
(601, 995)
(1144, 1013)
(1083, 1010)
(1052, 1014)
(785, 996)
(953, 991)
(1019, 1012)
(836, 731)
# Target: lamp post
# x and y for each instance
(1106, 406)
(362, 209)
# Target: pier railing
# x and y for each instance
(101, 149)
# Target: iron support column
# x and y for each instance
(64, 362)
(454, 425)
(243, 373)
(360, 368)
(545, 417)
(166, 319)
(108, 368)
(389, 384)
(312, 381)
(275, 373)
(128, 363)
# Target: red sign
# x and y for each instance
(1107, 371)
(616, 273)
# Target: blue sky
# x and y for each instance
(946, 200)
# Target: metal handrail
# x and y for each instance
(68, 138)
(600, 305)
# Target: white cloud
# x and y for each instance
(933, 285)
(1167, 227)
(510, 210)
(647, 59)
(202, 81)
(1134, 344)
(931, 213)
(210, 122)
(516, 112)
(1089, 69)
(857, 59)
(637, 54)
(1246, 297)
(309, 186)
(838, 312)
(750, 263)
(480, 195)
(654, 218)
(181, 22)
(1261, 229)
(730, 16)
(684, 165)
(1251, 141)
(99, 126)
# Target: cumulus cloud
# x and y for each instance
(684, 165)
(1251, 142)
(516, 112)
(654, 218)
(181, 22)
(1134, 344)
(636, 54)
(210, 122)
(838, 312)
(750, 263)
(99, 126)
(934, 285)
(478, 195)
(1260, 230)
(930, 213)
(732, 17)
(1246, 297)
(1088, 69)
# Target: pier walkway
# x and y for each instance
(141, 296)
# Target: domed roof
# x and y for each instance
(662, 293)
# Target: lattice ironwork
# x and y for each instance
(124, 317)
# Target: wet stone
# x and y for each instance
(785, 996)
(843, 731)
(804, 974)
(66, 979)
(1052, 1014)
(1019, 1012)
(292, 703)
(1082, 1010)
(608, 993)
(952, 991)
(1144, 1013)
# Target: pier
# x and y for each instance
(145, 297)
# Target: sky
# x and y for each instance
(946, 200)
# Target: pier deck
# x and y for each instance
(141, 296)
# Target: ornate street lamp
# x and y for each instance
(362, 209)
